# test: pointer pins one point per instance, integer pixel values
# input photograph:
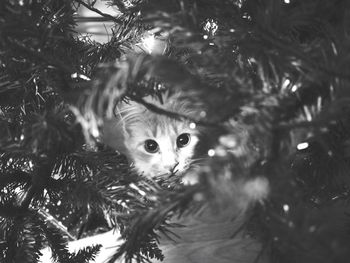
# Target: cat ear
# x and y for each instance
(128, 114)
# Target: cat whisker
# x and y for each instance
(194, 167)
(197, 161)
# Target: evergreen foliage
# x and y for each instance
(271, 77)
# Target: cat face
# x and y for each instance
(158, 145)
(158, 149)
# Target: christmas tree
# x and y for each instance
(270, 76)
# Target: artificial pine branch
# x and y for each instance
(90, 7)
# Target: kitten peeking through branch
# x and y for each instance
(157, 144)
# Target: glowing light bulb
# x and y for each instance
(211, 27)
(211, 152)
(286, 208)
(294, 88)
(302, 146)
(285, 83)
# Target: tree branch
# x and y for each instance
(118, 21)
(171, 114)
(16, 176)
(279, 43)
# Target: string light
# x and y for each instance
(211, 152)
(30, 164)
(81, 76)
(285, 83)
(302, 146)
(286, 208)
(211, 27)
(294, 88)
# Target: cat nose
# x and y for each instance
(171, 168)
(169, 161)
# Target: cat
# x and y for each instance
(158, 145)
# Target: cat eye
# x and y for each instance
(151, 146)
(183, 140)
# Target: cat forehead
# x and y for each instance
(174, 104)
(162, 126)
(141, 122)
